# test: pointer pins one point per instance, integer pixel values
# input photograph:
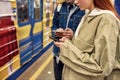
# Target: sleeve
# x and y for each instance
(101, 61)
(55, 21)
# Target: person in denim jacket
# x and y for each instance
(117, 6)
(68, 16)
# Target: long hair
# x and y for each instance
(106, 5)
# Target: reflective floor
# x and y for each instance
(42, 69)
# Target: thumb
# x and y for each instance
(67, 29)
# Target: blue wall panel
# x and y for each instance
(37, 43)
(25, 50)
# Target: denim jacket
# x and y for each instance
(60, 20)
(117, 6)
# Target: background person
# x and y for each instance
(67, 16)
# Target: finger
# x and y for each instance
(64, 39)
(56, 42)
(59, 29)
(67, 37)
(68, 34)
(67, 29)
(61, 40)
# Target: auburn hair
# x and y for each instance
(106, 5)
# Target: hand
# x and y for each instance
(69, 33)
(59, 32)
(59, 44)
(63, 39)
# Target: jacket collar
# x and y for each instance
(97, 12)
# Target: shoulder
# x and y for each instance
(109, 18)
(64, 4)
(108, 22)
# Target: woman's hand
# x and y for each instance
(69, 33)
(60, 44)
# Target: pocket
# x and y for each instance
(62, 19)
(77, 18)
(63, 16)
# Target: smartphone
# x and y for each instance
(59, 33)
(54, 38)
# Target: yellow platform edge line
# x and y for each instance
(41, 68)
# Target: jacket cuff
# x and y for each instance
(66, 44)
(65, 48)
